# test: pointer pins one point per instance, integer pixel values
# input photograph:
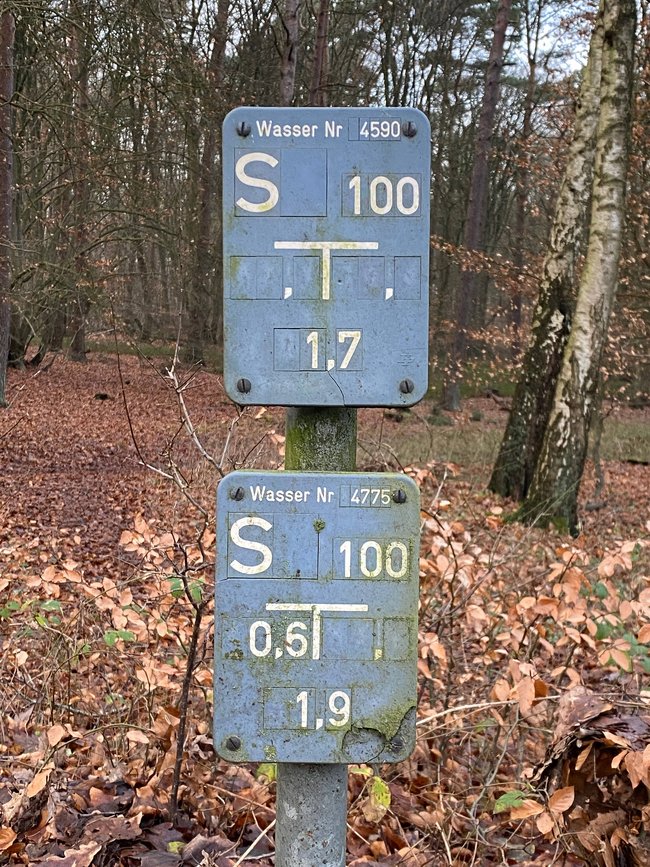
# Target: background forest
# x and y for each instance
(533, 727)
(117, 109)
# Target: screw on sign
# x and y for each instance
(326, 239)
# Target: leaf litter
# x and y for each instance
(533, 723)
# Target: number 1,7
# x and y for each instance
(343, 336)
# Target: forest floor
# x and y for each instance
(105, 567)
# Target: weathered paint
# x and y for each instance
(366, 272)
(320, 635)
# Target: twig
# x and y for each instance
(478, 706)
(435, 499)
(231, 427)
(182, 712)
(495, 767)
(252, 448)
(189, 426)
(262, 833)
(184, 487)
(356, 833)
(445, 842)
(381, 446)
(14, 425)
(134, 440)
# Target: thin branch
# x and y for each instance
(189, 426)
(134, 440)
(479, 706)
(262, 833)
(182, 713)
(11, 427)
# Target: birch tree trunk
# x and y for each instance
(553, 313)
(7, 33)
(554, 487)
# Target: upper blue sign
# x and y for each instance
(326, 256)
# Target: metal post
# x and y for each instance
(312, 799)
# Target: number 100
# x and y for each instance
(383, 193)
(374, 559)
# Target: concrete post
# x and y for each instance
(321, 439)
(311, 812)
(311, 807)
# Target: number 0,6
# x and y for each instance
(382, 187)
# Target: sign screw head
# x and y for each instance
(243, 385)
(396, 744)
(406, 386)
(237, 494)
(243, 129)
(233, 743)
(399, 496)
(409, 129)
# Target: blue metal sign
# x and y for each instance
(326, 265)
(316, 617)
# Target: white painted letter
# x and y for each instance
(269, 186)
(249, 545)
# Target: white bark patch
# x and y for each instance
(554, 328)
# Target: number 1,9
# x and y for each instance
(337, 706)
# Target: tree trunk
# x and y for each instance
(55, 327)
(80, 179)
(20, 336)
(5, 325)
(554, 488)
(553, 313)
(7, 35)
(77, 349)
(318, 90)
(476, 209)
(532, 31)
(289, 56)
(203, 279)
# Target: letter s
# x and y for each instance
(248, 544)
(269, 186)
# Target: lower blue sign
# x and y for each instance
(316, 617)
